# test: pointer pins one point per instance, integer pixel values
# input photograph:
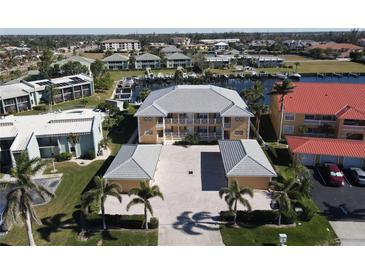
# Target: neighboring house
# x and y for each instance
(265, 61)
(342, 49)
(258, 44)
(133, 164)
(220, 46)
(181, 41)
(208, 111)
(170, 50)
(123, 45)
(224, 40)
(322, 110)
(46, 135)
(361, 42)
(245, 162)
(116, 61)
(147, 60)
(299, 44)
(218, 61)
(311, 151)
(25, 95)
(176, 60)
(82, 60)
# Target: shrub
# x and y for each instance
(125, 105)
(64, 156)
(257, 217)
(91, 154)
(116, 221)
(289, 217)
(153, 224)
(40, 108)
(309, 209)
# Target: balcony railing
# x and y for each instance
(319, 122)
(197, 121)
(354, 128)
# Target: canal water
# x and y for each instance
(242, 84)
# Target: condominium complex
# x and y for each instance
(116, 61)
(210, 112)
(47, 135)
(25, 95)
(147, 60)
(122, 45)
(176, 60)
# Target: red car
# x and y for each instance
(334, 175)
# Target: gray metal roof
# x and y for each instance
(245, 158)
(134, 162)
(115, 57)
(194, 98)
(148, 56)
(178, 56)
(170, 49)
(83, 60)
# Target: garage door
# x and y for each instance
(328, 159)
(307, 159)
(352, 162)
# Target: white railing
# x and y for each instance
(354, 128)
(197, 121)
(319, 122)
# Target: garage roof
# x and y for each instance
(327, 146)
(245, 158)
(134, 162)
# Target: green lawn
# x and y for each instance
(315, 232)
(59, 226)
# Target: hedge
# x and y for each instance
(258, 217)
(121, 221)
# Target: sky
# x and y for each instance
(49, 31)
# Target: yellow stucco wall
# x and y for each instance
(253, 182)
(145, 126)
(238, 126)
(126, 184)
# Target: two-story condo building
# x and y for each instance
(147, 60)
(178, 59)
(322, 110)
(122, 45)
(47, 135)
(211, 112)
(23, 96)
(116, 61)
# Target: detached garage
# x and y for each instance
(312, 151)
(133, 164)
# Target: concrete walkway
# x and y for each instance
(350, 233)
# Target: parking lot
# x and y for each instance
(344, 203)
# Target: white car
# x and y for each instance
(358, 175)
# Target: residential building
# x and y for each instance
(361, 42)
(218, 61)
(181, 41)
(299, 45)
(133, 164)
(116, 61)
(264, 61)
(122, 45)
(211, 112)
(223, 40)
(311, 151)
(343, 50)
(25, 95)
(176, 60)
(245, 162)
(322, 110)
(170, 50)
(221, 46)
(258, 44)
(147, 60)
(46, 135)
(76, 58)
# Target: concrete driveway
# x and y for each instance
(350, 233)
(189, 213)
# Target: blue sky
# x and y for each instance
(47, 31)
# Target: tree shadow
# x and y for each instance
(342, 213)
(55, 224)
(212, 171)
(198, 221)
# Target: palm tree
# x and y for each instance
(100, 193)
(234, 194)
(50, 94)
(297, 64)
(282, 201)
(282, 89)
(144, 193)
(19, 202)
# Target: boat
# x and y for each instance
(295, 76)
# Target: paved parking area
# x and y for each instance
(188, 215)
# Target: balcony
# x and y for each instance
(319, 122)
(227, 125)
(353, 128)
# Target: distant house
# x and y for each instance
(264, 61)
(181, 40)
(299, 44)
(362, 42)
(224, 40)
(147, 60)
(123, 45)
(257, 44)
(82, 60)
(220, 46)
(218, 61)
(170, 50)
(342, 49)
(178, 60)
(116, 62)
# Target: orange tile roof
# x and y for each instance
(336, 46)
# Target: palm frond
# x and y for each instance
(135, 201)
(149, 207)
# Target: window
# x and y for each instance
(148, 132)
(238, 133)
(239, 119)
(288, 129)
(147, 119)
(289, 116)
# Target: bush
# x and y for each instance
(257, 217)
(40, 108)
(125, 105)
(116, 221)
(309, 209)
(153, 224)
(91, 154)
(64, 156)
(289, 217)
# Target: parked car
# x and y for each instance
(334, 175)
(358, 175)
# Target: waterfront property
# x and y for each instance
(82, 60)
(116, 61)
(311, 151)
(210, 112)
(48, 135)
(176, 60)
(25, 95)
(245, 162)
(133, 164)
(343, 50)
(147, 60)
(122, 45)
(265, 61)
(322, 110)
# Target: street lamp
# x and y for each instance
(282, 239)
